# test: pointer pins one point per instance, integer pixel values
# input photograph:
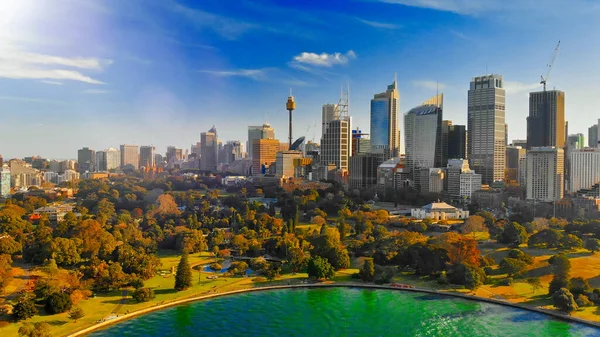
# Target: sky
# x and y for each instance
(100, 73)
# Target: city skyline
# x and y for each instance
(140, 83)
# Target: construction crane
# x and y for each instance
(549, 66)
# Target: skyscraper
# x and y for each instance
(174, 154)
(85, 159)
(385, 128)
(232, 150)
(147, 156)
(514, 157)
(265, 155)
(545, 173)
(594, 135)
(4, 181)
(584, 169)
(336, 144)
(113, 159)
(100, 161)
(130, 156)
(328, 113)
(264, 131)
(284, 163)
(423, 136)
(457, 143)
(546, 121)
(486, 127)
(208, 150)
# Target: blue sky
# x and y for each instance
(96, 73)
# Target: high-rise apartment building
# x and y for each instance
(336, 144)
(264, 131)
(130, 156)
(486, 127)
(209, 150)
(594, 135)
(584, 169)
(264, 155)
(100, 161)
(113, 159)
(147, 156)
(86, 158)
(328, 113)
(423, 137)
(546, 121)
(545, 173)
(385, 124)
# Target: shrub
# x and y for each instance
(506, 282)
(142, 295)
(216, 266)
(557, 283)
(583, 301)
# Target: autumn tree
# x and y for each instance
(473, 224)
(38, 329)
(166, 206)
(183, 278)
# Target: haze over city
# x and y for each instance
(103, 73)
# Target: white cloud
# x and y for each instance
(228, 28)
(52, 82)
(19, 64)
(324, 59)
(377, 24)
(95, 91)
(466, 7)
(515, 87)
(255, 74)
(430, 85)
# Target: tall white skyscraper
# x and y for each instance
(584, 169)
(486, 127)
(545, 173)
(385, 124)
(336, 144)
(113, 158)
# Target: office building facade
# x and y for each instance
(264, 155)
(385, 123)
(209, 150)
(113, 159)
(130, 157)
(86, 158)
(363, 170)
(594, 135)
(546, 122)
(264, 131)
(584, 169)
(486, 127)
(336, 144)
(545, 174)
(284, 163)
(147, 156)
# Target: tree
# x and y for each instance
(474, 223)
(561, 266)
(520, 255)
(5, 270)
(183, 278)
(593, 245)
(166, 206)
(513, 266)
(535, 283)
(58, 303)
(557, 283)
(547, 238)
(76, 313)
(513, 234)
(367, 272)
(38, 329)
(470, 276)
(9, 246)
(579, 285)
(539, 224)
(64, 251)
(142, 295)
(570, 242)
(564, 300)
(320, 268)
(25, 308)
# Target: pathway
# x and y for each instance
(24, 279)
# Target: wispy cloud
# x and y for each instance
(460, 35)
(228, 28)
(95, 91)
(20, 64)
(429, 85)
(255, 74)
(515, 87)
(464, 7)
(52, 82)
(324, 59)
(29, 100)
(381, 25)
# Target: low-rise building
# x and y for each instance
(439, 211)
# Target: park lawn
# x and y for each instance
(308, 226)
(15, 283)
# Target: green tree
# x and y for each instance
(183, 278)
(520, 255)
(557, 283)
(367, 272)
(38, 329)
(464, 274)
(9, 246)
(105, 210)
(58, 303)
(513, 266)
(513, 234)
(593, 245)
(76, 313)
(570, 242)
(547, 238)
(25, 308)
(579, 285)
(561, 266)
(564, 300)
(142, 295)
(320, 268)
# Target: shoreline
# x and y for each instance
(551, 313)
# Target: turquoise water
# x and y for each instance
(344, 312)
